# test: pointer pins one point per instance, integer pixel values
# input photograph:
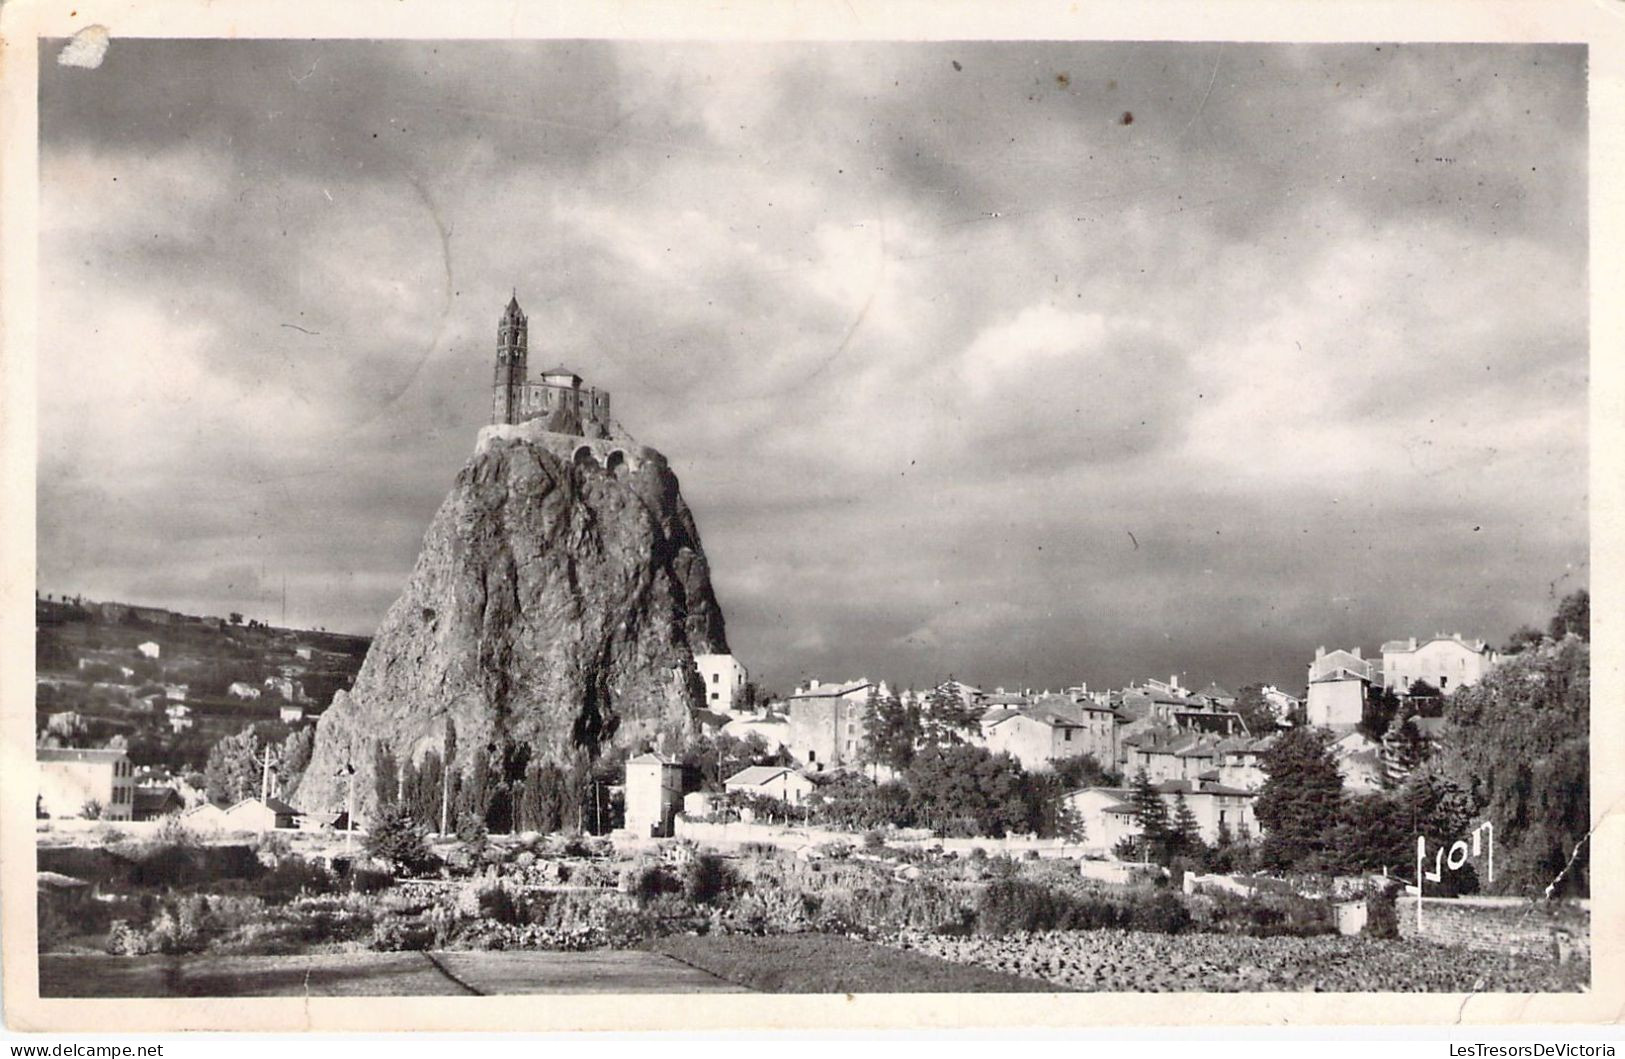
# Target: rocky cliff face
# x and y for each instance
(558, 602)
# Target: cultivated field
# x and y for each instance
(1137, 961)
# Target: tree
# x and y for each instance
(1255, 710)
(1378, 712)
(1522, 638)
(1518, 742)
(400, 840)
(1152, 814)
(1083, 770)
(1300, 802)
(1184, 830)
(233, 770)
(1404, 748)
(1573, 616)
(295, 757)
(965, 790)
(946, 718)
(892, 731)
(236, 618)
(386, 780)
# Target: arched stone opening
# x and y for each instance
(584, 457)
(616, 464)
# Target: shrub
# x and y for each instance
(707, 877)
(400, 840)
(653, 881)
(1381, 915)
(369, 880)
(172, 832)
(273, 845)
(873, 840)
(292, 876)
(1162, 913)
(1012, 906)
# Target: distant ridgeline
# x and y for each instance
(65, 610)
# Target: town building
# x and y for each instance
(180, 716)
(1283, 707)
(558, 398)
(1339, 683)
(770, 781)
(291, 713)
(205, 817)
(1051, 729)
(151, 803)
(1359, 762)
(654, 794)
(240, 689)
(724, 678)
(827, 723)
(1445, 662)
(150, 649)
(1108, 814)
(255, 814)
(71, 779)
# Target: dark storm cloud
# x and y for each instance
(1026, 362)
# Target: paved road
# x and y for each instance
(374, 974)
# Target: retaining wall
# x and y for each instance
(1538, 929)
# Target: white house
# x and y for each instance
(150, 649)
(1107, 815)
(654, 792)
(724, 678)
(1338, 683)
(1051, 729)
(291, 713)
(180, 716)
(1446, 662)
(1359, 762)
(243, 690)
(68, 779)
(770, 781)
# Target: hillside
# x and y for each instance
(210, 677)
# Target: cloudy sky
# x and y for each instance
(1026, 363)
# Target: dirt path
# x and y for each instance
(374, 974)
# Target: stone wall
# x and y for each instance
(1538, 929)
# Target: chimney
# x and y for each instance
(1356, 652)
(1320, 652)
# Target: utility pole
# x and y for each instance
(445, 798)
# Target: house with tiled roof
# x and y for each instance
(1339, 683)
(1445, 662)
(827, 724)
(654, 793)
(770, 781)
(1108, 814)
(1050, 729)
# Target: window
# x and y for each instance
(715, 677)
(1069, 735)
(715, 695)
